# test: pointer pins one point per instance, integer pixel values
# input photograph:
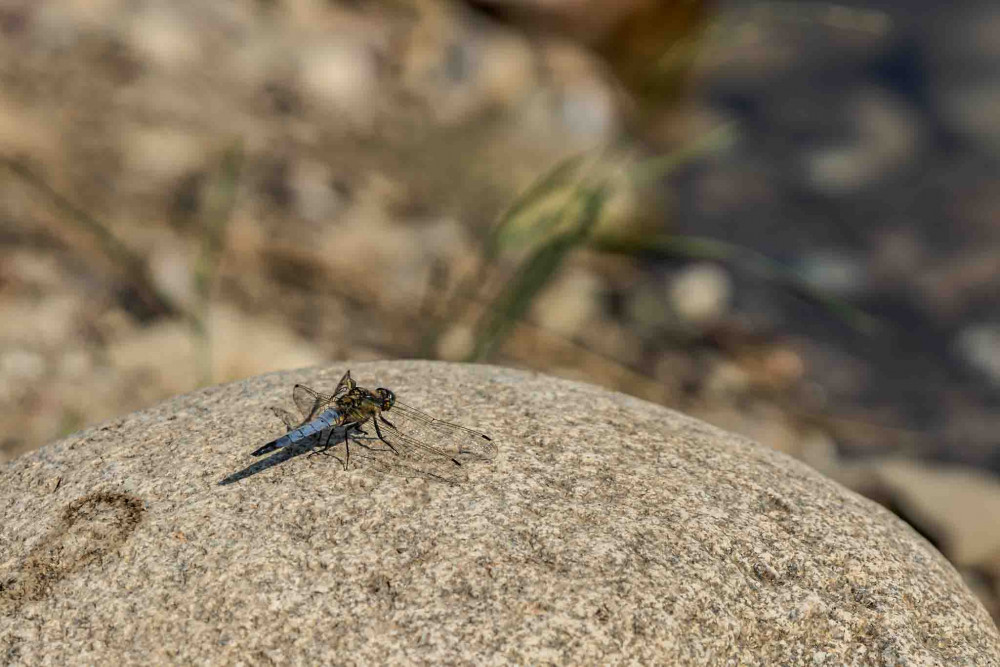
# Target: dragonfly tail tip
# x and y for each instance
(269, 447)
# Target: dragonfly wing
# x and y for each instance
(345, 385)
(309, 401)
(434, 469)
(411, 447)
(291, 423)
(380, 458)
(439, 436)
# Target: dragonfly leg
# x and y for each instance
(380, 437)
(347, 449)
(325, 446)
(354, 426)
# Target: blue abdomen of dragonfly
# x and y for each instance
(327, 419)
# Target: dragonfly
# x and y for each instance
(412, 439)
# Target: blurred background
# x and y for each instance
(780, 217)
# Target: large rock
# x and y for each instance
(608, 529)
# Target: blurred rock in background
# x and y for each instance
(779, 217)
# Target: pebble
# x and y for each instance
(568, 303)
(834, 273)
(700, 294)
(979, 346)
(341, 74)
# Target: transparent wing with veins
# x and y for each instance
(291, 421)
(311, 402)
(382, 459)
(416, 434)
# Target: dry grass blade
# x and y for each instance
(221, 201)
(557, 177)
(536, 272)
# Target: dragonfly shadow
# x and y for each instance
(279, 457)
(366, 452)
(363, 450)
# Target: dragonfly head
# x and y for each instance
(388, 398)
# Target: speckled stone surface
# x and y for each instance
(607, 530)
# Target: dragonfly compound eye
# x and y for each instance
(388, 398)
